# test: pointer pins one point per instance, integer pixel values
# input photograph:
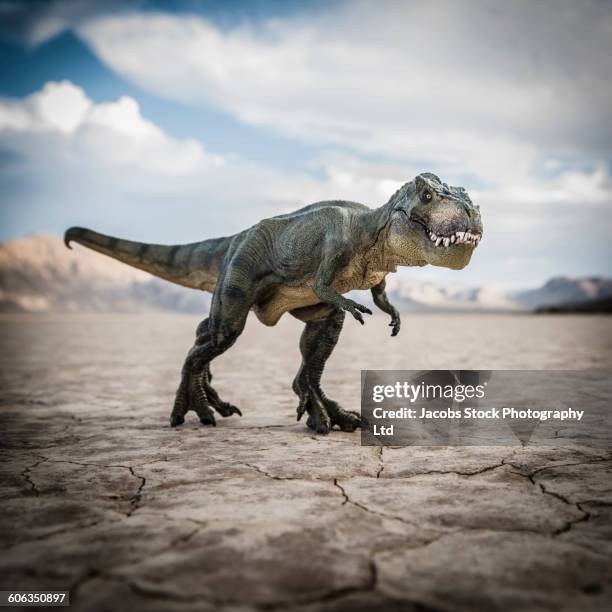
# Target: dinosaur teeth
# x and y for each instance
(456, 238)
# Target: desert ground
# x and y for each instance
(101, 497)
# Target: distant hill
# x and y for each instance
(431, 296)
(565, 290)
(39, 274)
(602, 306)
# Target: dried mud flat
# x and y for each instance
(99, 496)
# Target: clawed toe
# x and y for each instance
(225, 409)
(176, 419)
(319, 424)
(347, 420)
(208, 419)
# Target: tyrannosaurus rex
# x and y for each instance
(302, 262)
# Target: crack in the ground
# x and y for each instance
(562, 465)
(531, 476)
(476, 472)
(267, 474)
(586, 516)
(381, 463)
(136, 498)
(25, 474)
(348, 500)
(342, 491)
(104, 465)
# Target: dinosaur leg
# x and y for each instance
(195, 392)
(316, 345)
(225, 409)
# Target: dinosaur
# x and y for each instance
(302, 263)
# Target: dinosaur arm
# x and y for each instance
(334, 259)
(382, 301)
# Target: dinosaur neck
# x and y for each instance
(374, 229)
(380, 252)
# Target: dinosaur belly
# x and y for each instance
(282, 300)
(285, 298)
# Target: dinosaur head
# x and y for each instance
(433, 223)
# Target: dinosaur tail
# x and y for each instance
(193, 265)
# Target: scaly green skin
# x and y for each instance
(302, 263)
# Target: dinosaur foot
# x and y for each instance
(196, 394)
(199, 405)
(346, 420)
(324, 414)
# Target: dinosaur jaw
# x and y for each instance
(452, 249)
(448, 239)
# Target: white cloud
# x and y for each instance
(453, 83)
(114, 133)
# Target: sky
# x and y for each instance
(177, 121)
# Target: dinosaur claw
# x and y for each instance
(226, 410)
(208, 419)
(176, 419)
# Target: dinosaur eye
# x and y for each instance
(426, 197)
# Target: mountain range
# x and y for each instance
(39, 274)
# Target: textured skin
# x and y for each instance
(302, 263)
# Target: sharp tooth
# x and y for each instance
(446, 242)
(433, 236)
(438, 241)
(453, 239)
(461, 235)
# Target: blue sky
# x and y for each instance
(176, 121)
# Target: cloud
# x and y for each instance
(114, 133)
(444, 82)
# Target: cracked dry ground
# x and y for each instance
(101, 497)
